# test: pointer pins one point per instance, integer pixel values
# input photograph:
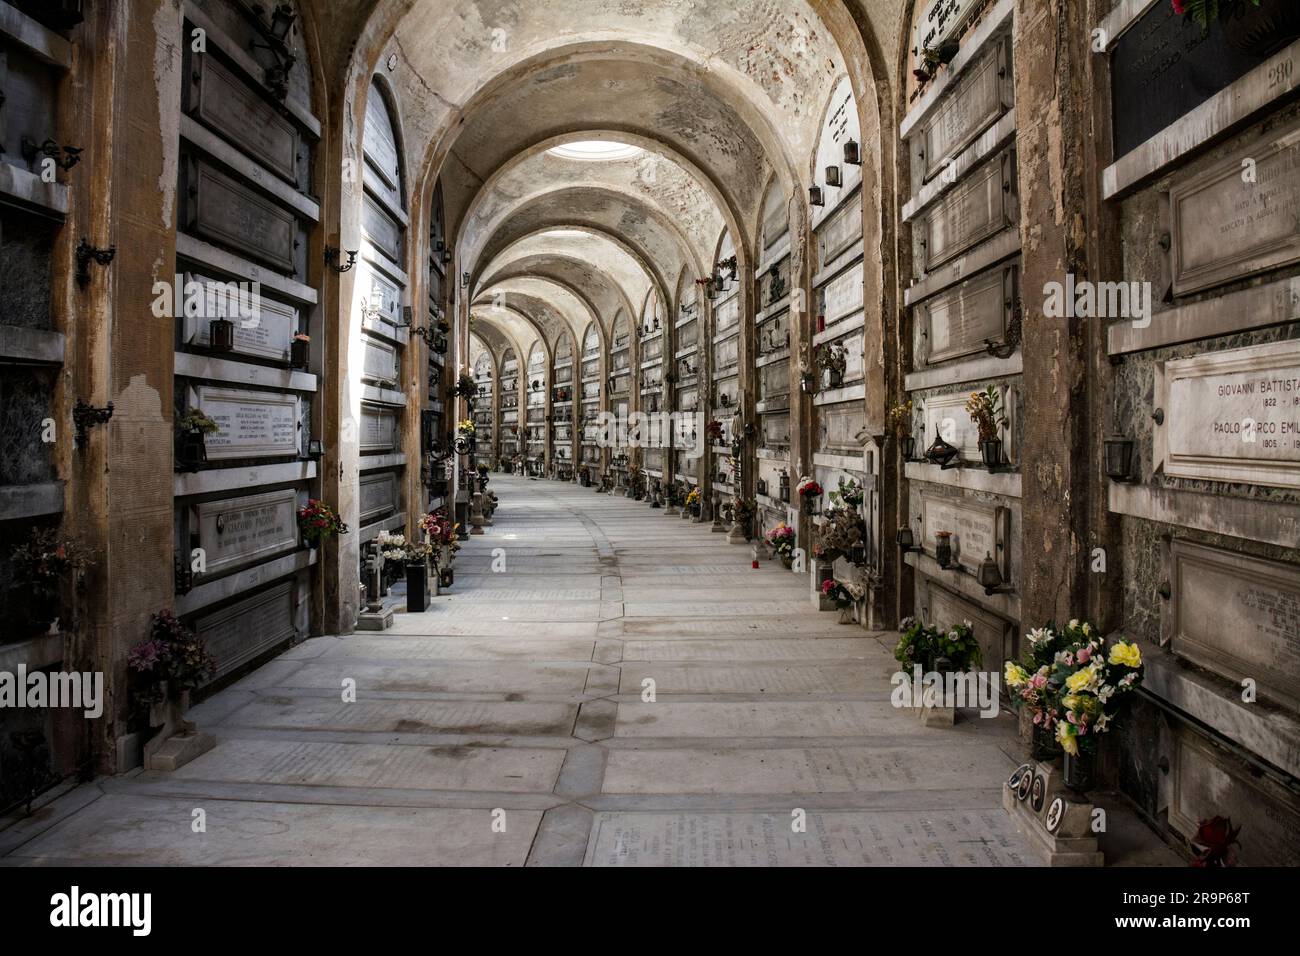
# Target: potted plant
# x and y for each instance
(985, 410)
(900, 425)
(841, 532)
(810, 493)
(166, 666)
(300, 352)
(443, 537)
(693, 502)
(317, 521)
(956, 649)
(845, 594)
(915, 646)
(743, 511)
(782, 539)
(42, 566)
(191, 443)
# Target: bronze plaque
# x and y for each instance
(228, 212)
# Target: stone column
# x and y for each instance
(1053, 105)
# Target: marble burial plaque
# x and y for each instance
(378, 496)
(384, 294)
(378, 428)
(729, 387)
(251, 424)
(946, 416)
(1226, 223)
(995, 636)
(980, 96)
(239, 633)
(840, 425)
(726, 315)
(775, 380)
(232, 214)
(1232, 415)
(264, 330)
(726, 354)
(688, 335)
(977, 529)
(1206, 783)
(230, 107)
(380, 143)
(1238, 616)
(962, 319)
(652, 348)
(381, 229)
(776, 430)
(776, 219)
(839, 231)
(243, 530)
(982, 205)
(843, 295)
(380, 364)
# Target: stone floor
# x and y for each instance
(506, 726)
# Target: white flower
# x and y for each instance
(1039, 634)
(1074, 622)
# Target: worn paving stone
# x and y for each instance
(762, 706)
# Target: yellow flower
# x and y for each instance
(1016, 676)
(1126, 653)
(1081, 680)
(1065, 736)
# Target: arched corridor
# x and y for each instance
(735, 432)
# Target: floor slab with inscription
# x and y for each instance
(626, 670)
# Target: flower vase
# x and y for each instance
(1043, 745)
(787, 561)
(846, 614)
(417, 586)
(1079, 771)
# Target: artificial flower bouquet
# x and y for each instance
(782, 540)
(1079, 690)
(843, 593)
(317, 521)
(465, 429)
(809, 488)
(172, 655)
(693, 499)
(924, 645)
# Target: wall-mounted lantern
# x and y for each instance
(990, 576)
(906, 541)
(1119, 458)
(852, 153)
(815, 196)
(833, 176)
(221, 335)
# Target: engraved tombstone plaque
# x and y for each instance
(945, 609)
(840, 231)
(250, 424)
(378, 428)
(380, 229)
(946, 415)
(239, 531)
(228, 212)
(727, 314)
(843, 294)
(263, 327)
(380, 363)
(1232, 415)
(979, 207)
(222, 102)
(960, 320)
(977, 529)
(1229, 221)
(980, 96)
(237, 634)
(1238, 616)
(378, 496)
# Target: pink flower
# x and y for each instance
(1084, 654)
(1180, 7)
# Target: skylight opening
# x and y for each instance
(595, 150)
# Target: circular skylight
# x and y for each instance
(595, 149)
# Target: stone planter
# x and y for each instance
(177, 741)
